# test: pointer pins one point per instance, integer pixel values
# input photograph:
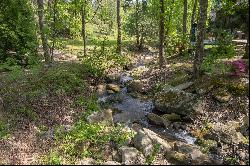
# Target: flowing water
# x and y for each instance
(132, 109)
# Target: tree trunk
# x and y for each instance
(54, 30)
(246, 55)
(185, 3)
(83, 13)
(43, 35)
(161, 35)
(141, 40)
(137, 26)
(193, 17)
(119, 32)
(199, 52)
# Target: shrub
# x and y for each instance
(17, 30)
(239, 67)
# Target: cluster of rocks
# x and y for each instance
(143, 146)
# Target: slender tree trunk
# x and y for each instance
(246, 56)
(199, 52)
(185, 3)
(119, 32)
(141, 40)
(43, 35)
(54, 30)
(136, 25)
(83, 13)
(161, 35)
(193, 17)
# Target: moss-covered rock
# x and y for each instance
(227, 133)
(141, 86)
(178, 158)
(172, 117)
(155, 119)
(175, 101)
(113, 87)
(222, 96)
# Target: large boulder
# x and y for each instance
(175, 101)
(191, 154)
(226, 133)
(104, 117)
(156, 139)
(131, 156)
(155, 119)
(141, 86)
(143, 143)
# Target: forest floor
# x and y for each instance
(42, 104)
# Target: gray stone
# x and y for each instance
(165, 146)
(245, 126)
(86, 161)
(184, 85)
(101, 89)
(131, 156)
(175, 101)
(104, 117)
(111, 163)
(222, 96)
(155, 119)
(113, 87)
(141, 86)
(191, 153)
(178, 158)
(143, 143)
(225, 132)
(113, 77)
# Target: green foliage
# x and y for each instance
(238, 88)
(231, 160)
(53, 158)
(17, 30)
(89, 104)
(102, 59)
(150, 159)
(10, 64)
(27, 112)
(177, 44)
(4, 133)
(206, 145)
(62, 80)
(84, 139)
(224, 49)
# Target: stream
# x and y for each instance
(130, 109)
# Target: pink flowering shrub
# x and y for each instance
(239, 67)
